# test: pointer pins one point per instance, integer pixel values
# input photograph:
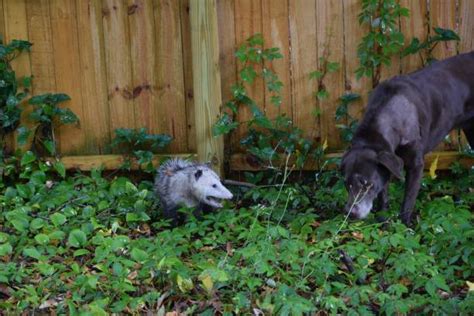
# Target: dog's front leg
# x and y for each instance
(382, 199)
(414, 173)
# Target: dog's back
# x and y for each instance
(443, 94)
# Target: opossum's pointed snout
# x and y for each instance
(228, 195)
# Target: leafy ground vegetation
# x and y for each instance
(94, 244)
(97, 243)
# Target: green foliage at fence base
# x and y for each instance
(88, 245)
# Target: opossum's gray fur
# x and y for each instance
(183, 183)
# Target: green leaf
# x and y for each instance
(27, 158)
(42, 239)
(57, 219)
(32, 252)
(322, 94)
(60, 168)
(5, 249)
(316, 75)
(77, 238)
(50, 146)
(248, 74)
(139, 255)
(333, 66)
(23, 135)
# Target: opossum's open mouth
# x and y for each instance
(213, 201)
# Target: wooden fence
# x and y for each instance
(129, 63)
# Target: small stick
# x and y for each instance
(349, 263)
(239, 183)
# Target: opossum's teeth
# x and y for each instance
(213, 201)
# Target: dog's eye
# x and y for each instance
(214, 186)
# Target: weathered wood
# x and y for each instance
(95, 120)
(302, 20)
(41, 56)
(188, 74)
(143, 51)
(248, 22)
(207, 90)
(329, 25)
(16, 27)
(67, 69)
(354, 33)
(443, 14)
(241, 162)
(466, 25)
(414, 26)
(118, 65)
(171, 105)
(109, 162)
(276, 34)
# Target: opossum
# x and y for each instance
(181, 183)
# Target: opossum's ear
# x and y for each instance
(392, 162)
(198, 174)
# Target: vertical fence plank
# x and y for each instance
(95, 120)
(188, 74)
(414, 26)
(443, 14)
(248, 22)
(466, 25)
(41, 55)
(39, 33)
(353, 34)
(227, 46)
(206, 80)
(143, 49)
(118, 65)
(16, 27)
(329, 25)
(303, 61)
(67, 70)
(276, 34)
(171, 104)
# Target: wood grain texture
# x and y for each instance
(303, 60)
(118, 65)
(276, 34)
(207, 89)
(414, 26)
(188, 74)
(42, 57)
(171, 105)
(354, 33)
(16, 27)
(96, 120)
(443, 14)
(67, 69)
(248, 22)
(142, 53)
(227, 61)
(329, 25)
(466, 25)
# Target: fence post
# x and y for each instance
(206, 78)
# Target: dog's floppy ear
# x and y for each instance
(392, 162)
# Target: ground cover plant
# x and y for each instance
(92, 245)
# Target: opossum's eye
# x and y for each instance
(214, 186)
